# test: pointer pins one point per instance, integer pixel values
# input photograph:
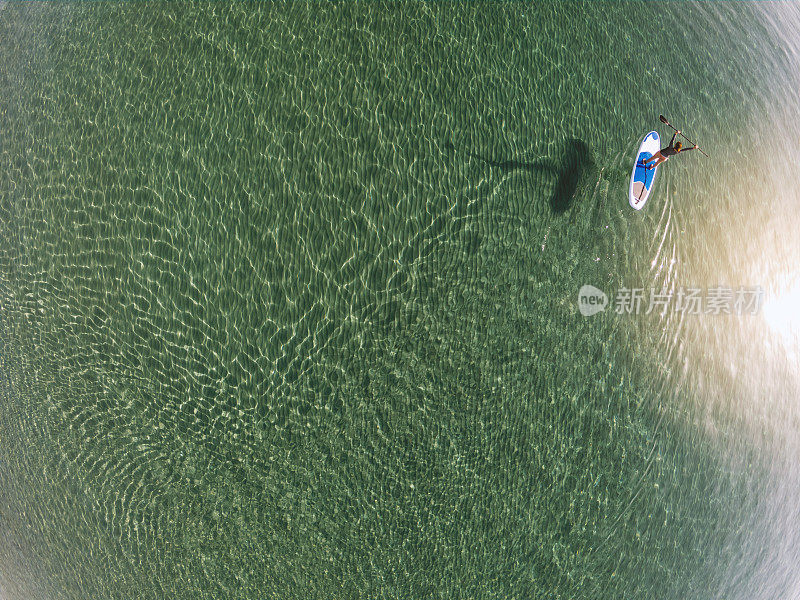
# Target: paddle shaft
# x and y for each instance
(663, 120)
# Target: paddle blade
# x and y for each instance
(663, 120)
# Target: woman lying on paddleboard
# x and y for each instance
(665, 153)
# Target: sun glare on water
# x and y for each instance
(781, 312)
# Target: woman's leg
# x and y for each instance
(658, 160)
(657, 156)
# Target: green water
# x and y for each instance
(288, 301)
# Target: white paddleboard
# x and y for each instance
(642, 179)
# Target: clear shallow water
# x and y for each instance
(289, 302)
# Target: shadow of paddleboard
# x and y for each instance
(575, 166)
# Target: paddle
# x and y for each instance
(664, 120)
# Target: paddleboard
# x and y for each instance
(642, 179)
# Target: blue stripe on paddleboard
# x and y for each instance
(641, 174)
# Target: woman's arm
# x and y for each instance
(672, 141)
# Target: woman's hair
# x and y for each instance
(678, 146)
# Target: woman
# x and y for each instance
(665, 153)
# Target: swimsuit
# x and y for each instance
(670, 150)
